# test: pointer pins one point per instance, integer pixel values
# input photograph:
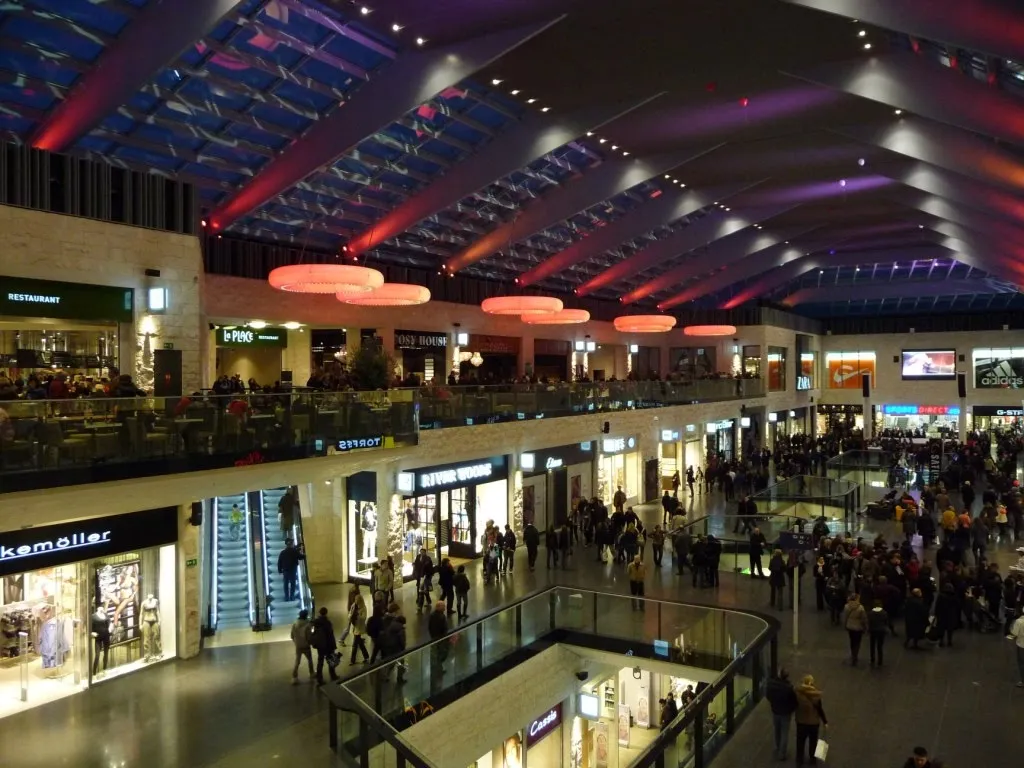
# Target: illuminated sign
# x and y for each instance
(744, 421)
(773, 417)
(553, 463)
(543, 726)
(441, 478)
(803, 383)
(527, 462)
(589, 706)
(455, 476)
(995, 410)
(921, 410)
(360, 442)
(669, 435)
(617, 444)
(406, 482)
(247, 337)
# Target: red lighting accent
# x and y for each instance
(645, 323)
(744, 101)
(389, 295)
(521, 305)
(655, 193)
(991, 77)
(709, 330)
(915, 46)
(325, 278)
(711, 87)
(565, 317)
(952, 62)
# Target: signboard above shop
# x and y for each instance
(251, 337)
(420, 340)
(20, 297)
(997, 410)
(618, 444)
(432, 479)
(921, 410)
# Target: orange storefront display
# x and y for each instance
(844, 369)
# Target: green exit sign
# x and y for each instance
(192, 562)
(168, 346)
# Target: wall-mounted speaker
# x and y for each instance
(961, 384)
(865, 384)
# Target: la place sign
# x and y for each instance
(544, 725)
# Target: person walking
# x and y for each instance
(682, 540)
(918, 759)
(947, 614)
(354, 595)
(658, 545)
(508, 548)
(915, 620)
(619, 499)
(235, 518)
(437, 628)
(810, 717)
(667, 505)
(446, 582)
(531, 538)
(689, 480)
(461, 584)
(777, 579)
(551, 545)
(757, 544)
(636, 571)
(357, 621)
(384, 579)
(564, 545)
(322, 639)
(1017, 633)
(373, 628)
(300, 639)
(393, 641)
(855, 621)
(878, 627)
(782, 698)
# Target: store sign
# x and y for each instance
(456, 475)
(48, 546)
(803, 383)
(998, 410)
(669, 435)
(360, 442)
(773, 417)
(420, 340)
(844, 369)
(69, 301)
(618, 444)
(553, 463)
(248, 337)
(544, 725)
(998, 369)
(921, 410)
(495, 345)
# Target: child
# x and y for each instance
(461, 584)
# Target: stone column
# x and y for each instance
(297, 356)
(526, 355)
(190, 590)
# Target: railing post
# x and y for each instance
(774, 656)
(479, 646)
(698, 736)
(332, 724)
(551, 610)
(756, 676)
(595, 613)
(660, 636)
(519, 624)
(364, 744)
(730, 706)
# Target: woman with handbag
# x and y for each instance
(810, 717)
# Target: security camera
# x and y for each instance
(582, 675)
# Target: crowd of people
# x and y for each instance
(58, 385)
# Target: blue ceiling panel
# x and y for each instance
(280, 117)
(82, 44)
(43, 68)
(143, 157)
(90, 15)
(327, 75)
(26, 97)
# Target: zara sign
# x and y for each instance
(544, 725)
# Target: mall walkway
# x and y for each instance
(234, 707)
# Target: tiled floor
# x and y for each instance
(234, 707)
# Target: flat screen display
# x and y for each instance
(589, 706)
(924, 364)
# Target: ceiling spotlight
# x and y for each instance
(603, 140)
(898, 112)
(624, 153)
(666, 176)
(365, 11)
(545, 109)
(420, 41)
(821, 271)
(728, 209)
(681, 184)
(920, 226)
(842, 182)
(591, 133)
(861, 161)
(856, 269)
(867, 46)
(396, 27)
(614, 147)
(496, 81)
(862, 33)
(530, 101)
(515, 92)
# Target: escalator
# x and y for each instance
(280, 611)
(233, 571)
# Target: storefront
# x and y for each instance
(251, 352)
(554, 481)
(361, 522)
(841, 416)
(777, 428)
(327, 346)
(670, 458)
(929, 420)
(996, 418)
(618, 466)
(489, 358)
(777, 369)
(721, 439)
(692, 362)
(692, 453)
(421, 353)
(551, 359)
(538, 744)
(447, 508)
(85, 602)
(998, 368)
(48, 326)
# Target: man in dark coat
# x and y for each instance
(915, 619)
(531, 538)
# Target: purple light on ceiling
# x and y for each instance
(686, 122)
(820, 190)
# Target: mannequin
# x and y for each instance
(368, 524)
(151, 628)
(100, 630)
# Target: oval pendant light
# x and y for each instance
(325, 278)
(389, 295)
(565, 317)
(645, 323)
(709, 330)
(521, 305)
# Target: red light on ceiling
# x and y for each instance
(744, 101)
(711, 87)
(991, 77)
(953, 62)
(916, 46)
(655, 193)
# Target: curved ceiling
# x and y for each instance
(699, 153)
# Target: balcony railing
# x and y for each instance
(48, 443)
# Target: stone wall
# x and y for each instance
(48, 246)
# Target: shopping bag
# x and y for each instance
(821, 751)
(333, 659)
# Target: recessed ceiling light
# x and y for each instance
(396, 27)
(515, 92)
(614, 147)
(842, 182)
(545, 109)
(867, 46)
(603, 140)
(365, 11)
(821, 271)
(681, 184)
(862, 33)
(856, 269)
(420, 41)
(624, 153)
(496, 81)
(530, 101)
(666, 176)
(861, 161)
(920, 226)
(898, 112)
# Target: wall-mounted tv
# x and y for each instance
(929, 364)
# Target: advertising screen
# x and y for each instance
(846, 368)
(999, 368)
(924, 364)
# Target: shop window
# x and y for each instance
(999, 368)
(807, 378)
(776, 369)
(362, 531)
(844, 369)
